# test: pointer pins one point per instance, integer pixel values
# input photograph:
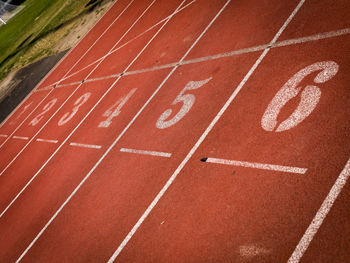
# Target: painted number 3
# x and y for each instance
(187, 100)
(78, 103)
(309, 97)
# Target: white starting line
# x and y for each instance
(20, 138)
(3, 135)
(153, 153)
(263, 166)
(46, 140)
(91, 146)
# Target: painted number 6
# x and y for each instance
(310, 96)
(187, 100)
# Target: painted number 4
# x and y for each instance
(309, 97)
(114, 111)
(187, 100)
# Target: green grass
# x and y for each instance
(37, 19)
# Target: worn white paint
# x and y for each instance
(310, 96)
(262, 166)
(78, 103)
(144, 152)
(84, 145)
(115, 110)
(46, 140)
(46, 108)
(187, 100)
(20, 138)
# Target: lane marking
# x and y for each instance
(47, 140)
(283, 43)
(154, 153)
(320, 36)
(3, 135)
(263, 166)
(201, 139)
(321, 215)
(53, 115)
(112, 145)
(123, 45)
(20, 137)
(92, 146)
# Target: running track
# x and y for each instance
(186, 131)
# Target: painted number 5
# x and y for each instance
(309, 97)
(187, 100)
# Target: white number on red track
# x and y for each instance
(46, 108)
(21, 113)
(79, 102)
(114, 111)
(310, 97)
(187, 100)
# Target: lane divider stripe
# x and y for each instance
(92, 146)
(20, 138)
(46, 140)
(263, 166)
(154, 153)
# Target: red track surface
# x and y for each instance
(250, 165)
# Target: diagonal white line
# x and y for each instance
(321, 215)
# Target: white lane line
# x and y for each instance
(126, 43)
(92, 146)
(20, 137)
(3, 135)
(53, 115)
(154, 153)
(283, 43)
(46, 140)
(321, 215)
(263, 166)
(336, 33)
(201, 139)
(115, 141)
